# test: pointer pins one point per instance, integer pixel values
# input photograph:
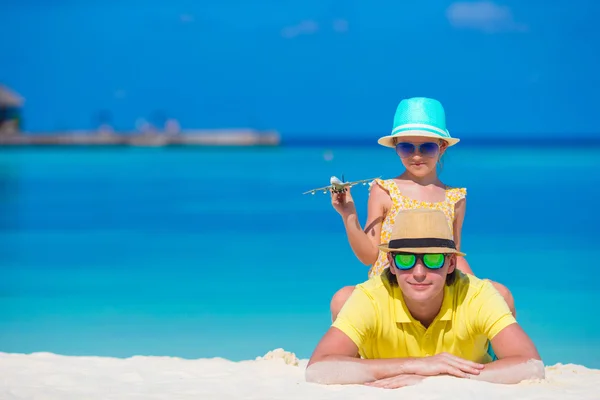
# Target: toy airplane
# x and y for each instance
(338, 186)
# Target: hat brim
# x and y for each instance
(422, 250)
(388, 141)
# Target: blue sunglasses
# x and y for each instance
(427, 149)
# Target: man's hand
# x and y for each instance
(444, 364)
(396, 382)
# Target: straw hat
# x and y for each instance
(419, 116)
(421, 231)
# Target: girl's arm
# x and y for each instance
(460, 209)
(364, 242)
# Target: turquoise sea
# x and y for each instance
(215, 252)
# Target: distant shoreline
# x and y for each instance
(252, 138)
(224, 137)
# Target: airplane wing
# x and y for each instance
(339, 186)
(363, 181)
(323, 189)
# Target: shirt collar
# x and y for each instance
(404, 316)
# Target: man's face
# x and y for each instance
(419, 282)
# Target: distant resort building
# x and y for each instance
(164, 132)
(11, 105)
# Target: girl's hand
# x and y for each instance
(343, 203)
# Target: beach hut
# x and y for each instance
(11, 104)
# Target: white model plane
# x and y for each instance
(338, 186)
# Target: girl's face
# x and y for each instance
(420, 155)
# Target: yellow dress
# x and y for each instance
(401, 202)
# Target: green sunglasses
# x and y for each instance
(405, 261)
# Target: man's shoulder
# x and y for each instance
(469, 285)
(375, 285)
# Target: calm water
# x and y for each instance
(215, 252)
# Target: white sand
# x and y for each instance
(278, 375)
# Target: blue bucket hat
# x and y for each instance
(419, 116)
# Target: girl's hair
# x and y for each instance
(443, 145)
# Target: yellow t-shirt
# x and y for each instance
(376, 319)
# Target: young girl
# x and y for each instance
(420, 138)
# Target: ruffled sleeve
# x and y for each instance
(456, 194)
(385, 184)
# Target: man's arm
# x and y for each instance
(518, 359)
(336, 361)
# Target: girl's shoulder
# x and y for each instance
(381, 182)
(387, 185)
(383, 191)
(455, 194)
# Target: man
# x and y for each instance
(422, 317)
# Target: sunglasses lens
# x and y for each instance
(405, 261)
(434, 261)
(429, 149)
(404, 149)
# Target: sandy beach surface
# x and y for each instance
(276, 375)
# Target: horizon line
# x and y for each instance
(355, 142)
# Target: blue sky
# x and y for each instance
(306, 68)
